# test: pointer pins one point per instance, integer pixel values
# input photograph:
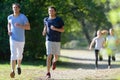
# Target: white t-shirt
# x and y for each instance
(98, 42)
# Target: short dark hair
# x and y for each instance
(17, 4)
(52, 7)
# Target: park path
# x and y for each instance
(80, 66)
(84, 56)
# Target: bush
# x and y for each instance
(75, 44)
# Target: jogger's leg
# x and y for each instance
(96, 58)
(19, 63)
(13, 64)
(20, 49)
(13, 58)
(109, 61)
(113, 55)
(55, 58)
(49, 62)
(54, 62)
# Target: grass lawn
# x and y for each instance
(30, 70)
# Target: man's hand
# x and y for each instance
(9, 33)
(18, 25)
(44, 33)
(52, 27)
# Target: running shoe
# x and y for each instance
(19, 70)
(113, 58)
(48, 75)
(12, 74)
(54, 66)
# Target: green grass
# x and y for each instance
(30, 70)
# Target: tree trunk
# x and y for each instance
(82, 22)
(85, 30)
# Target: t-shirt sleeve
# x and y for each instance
(45, 20)
(61, 23)
(25, 19)
(8, 18)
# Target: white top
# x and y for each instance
(98, 42)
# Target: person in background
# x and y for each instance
(53, 27)
(111, 44)
(17, 24)
(99, 42)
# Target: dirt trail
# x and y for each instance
(80, 66)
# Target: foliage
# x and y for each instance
(35, 47)
(82, 19)
(4, 40)
(35, 42)
(75, 44)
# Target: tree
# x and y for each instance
(81, 17)
(89, 12)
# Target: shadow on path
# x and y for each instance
(84, 59)
(73, 65)
(80, 63)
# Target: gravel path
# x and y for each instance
(83, 66)
(80, 66)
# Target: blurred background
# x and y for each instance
(82, 19)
